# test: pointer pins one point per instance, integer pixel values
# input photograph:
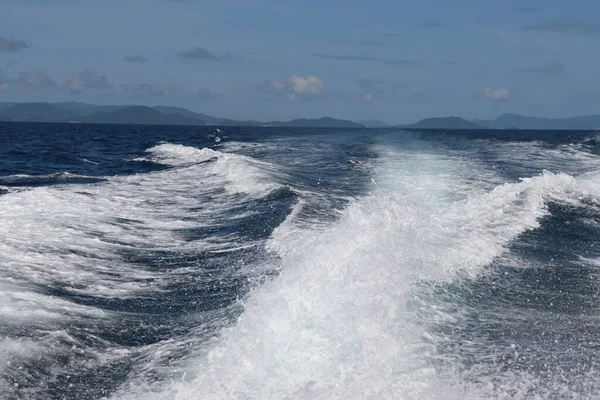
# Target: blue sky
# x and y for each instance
(262, 59)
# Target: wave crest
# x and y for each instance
(244, 174)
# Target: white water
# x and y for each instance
(339, 322)
(243, 174)
(73, 234)
(77, 237)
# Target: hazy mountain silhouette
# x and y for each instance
(324, 122)
(184, 112)
(75, 108)
(510, 121)
(138, 115)
(169, 115)
(445, 123)
(123, 114)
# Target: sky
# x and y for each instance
(396, 61)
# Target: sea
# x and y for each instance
(199, 262)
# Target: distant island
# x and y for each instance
(324, 122)
(76, 112)
(512, 121)
(445, 123)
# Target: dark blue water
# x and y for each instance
(177, 262)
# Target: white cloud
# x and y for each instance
(306, 84)
(294, 86)
(366, 96)
(495, 94)
(274, 86)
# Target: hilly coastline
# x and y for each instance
(512, 121)
(138, 115)
(159, 115)
(76, 112)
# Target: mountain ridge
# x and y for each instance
(445, 123)
(510, 121)
(170, 115)
(323, 122)
(136, 114)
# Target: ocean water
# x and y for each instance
(262, 263)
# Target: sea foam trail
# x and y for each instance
(74, 234)
(64, 246)
(337, 323)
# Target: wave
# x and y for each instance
(244, 174)
(339, 321)
(333, 312)
(107, 254)
(80, 233)
(101, 242)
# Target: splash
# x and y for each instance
(339, 322)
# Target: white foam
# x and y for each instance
(336, 323)
(244, 174)
(82, 240)
(11, 348)
(18, 355)
(572, 159)
(77, 237)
